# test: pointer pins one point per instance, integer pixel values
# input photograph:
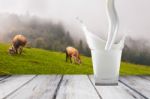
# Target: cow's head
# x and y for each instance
(11, 50)
(78, 60)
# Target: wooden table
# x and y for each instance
(71, 87)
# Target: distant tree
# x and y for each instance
(87, 50)
(40, 43)
(69, 39)
(80, 47)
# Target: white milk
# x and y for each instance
(106, 55)
(106, 63)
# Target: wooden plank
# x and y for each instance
(76, 87)
(10, 85)
(145, 77)
(116, 92)
(3, 77)
(42, 87)
(140, 85)
(134, 94)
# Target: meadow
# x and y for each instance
(39, 61)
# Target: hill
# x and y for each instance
(39, 61)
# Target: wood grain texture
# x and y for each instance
(42, 87)
(142, 86)
(116, 92)
(3, 77)
(11, 84)
(76, 87)
(134, 94)
(72, 87)
(145, 77)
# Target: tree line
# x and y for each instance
(43, 34)
(137, 51)
(53, 36)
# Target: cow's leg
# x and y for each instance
(16, 49)
(75, 60)
(70, 59)
(20, 50)
(66, 56)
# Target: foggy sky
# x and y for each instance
(134, 15)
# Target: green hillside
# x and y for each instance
(38, 61)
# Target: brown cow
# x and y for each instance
(18, 42)
(71, 52)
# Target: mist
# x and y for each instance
(133, 15)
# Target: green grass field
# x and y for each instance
(38, 61)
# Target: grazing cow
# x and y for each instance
(18, 42)
(73, 53)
